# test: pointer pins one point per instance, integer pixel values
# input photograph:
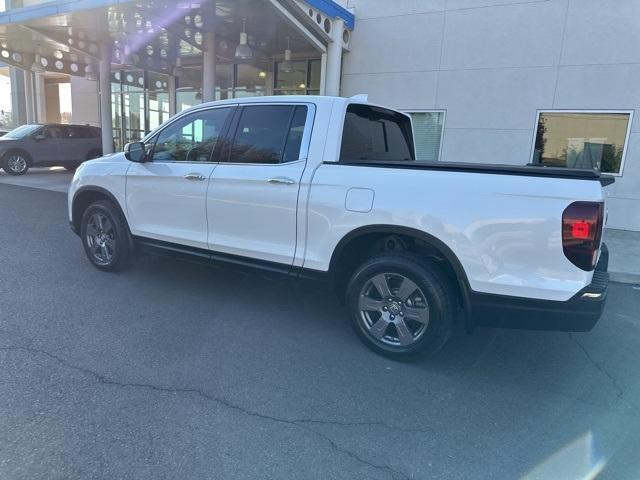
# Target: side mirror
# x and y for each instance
(135, 152)
(39, 137)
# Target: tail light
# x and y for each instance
(582, 224)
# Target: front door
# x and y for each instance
(253, 193)
(166, 196)
(45, 147)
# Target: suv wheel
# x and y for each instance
(401, 305)
(15, 163)
(105, 236)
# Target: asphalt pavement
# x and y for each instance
(172, 370)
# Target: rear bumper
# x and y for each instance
(578, 314)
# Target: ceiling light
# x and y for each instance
(287, 67)
(262, 74)
(243, 51)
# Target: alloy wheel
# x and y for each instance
(16, 163)
(101, 238)
(393, 309)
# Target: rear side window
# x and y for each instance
(268, 134)
(79, 132)
(376, 134)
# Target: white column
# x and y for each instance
(323, 74)
(172, 95)
(28, 96)
(18, 102)
(209, 68)
(104, 77)
(40, 98)
(334, 59)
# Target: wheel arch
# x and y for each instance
(85, 196)
(20, 150)
(372, 233)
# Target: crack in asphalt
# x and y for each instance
(600, 368)
(299, 423)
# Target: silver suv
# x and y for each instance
(48, 145)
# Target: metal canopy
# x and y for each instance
(151, 35)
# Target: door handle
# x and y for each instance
(281, 180)
(194, 176)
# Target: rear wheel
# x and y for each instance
(401, 305)
(105, 236)
(15, 163)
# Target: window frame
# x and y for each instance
(426, 110)
(152, 137)
(630, 112)
(306, 136)
(374, 105)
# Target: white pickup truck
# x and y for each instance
(328, 188)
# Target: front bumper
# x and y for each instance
(578, 314)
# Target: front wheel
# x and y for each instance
(15, 163)
(105, 236)
(401, 305)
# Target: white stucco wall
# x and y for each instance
(491, 64)
(84, 101)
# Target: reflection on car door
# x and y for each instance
(253, 193)
(45, 145)
(166, 197)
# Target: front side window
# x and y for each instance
(581, 140)
(376, 134)
(192, 138)
(268, 134)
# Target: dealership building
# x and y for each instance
(547, 82)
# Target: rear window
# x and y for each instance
(376, 134)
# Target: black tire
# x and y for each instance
(434, 293)
(116, 240)
(14, 158)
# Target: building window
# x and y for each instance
(427, 134)
(582, 139)
(297, 77)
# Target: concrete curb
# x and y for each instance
(624, 277)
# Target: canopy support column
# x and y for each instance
(334, 59)
(209, 68)
(104, 86)
(28, 96)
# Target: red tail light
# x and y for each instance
(581, 233)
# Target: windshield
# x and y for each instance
(22, 131)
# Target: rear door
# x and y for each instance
(74, 146)
(253, 193)
(166, 196)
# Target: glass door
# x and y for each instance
(133, 105)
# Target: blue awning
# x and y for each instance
(332, 9)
